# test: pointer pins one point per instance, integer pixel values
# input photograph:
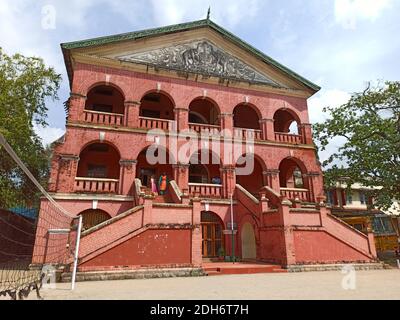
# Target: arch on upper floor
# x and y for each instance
(247, 116)
(204, 167)
(291, 171)
(99, 160)
(249, 171)
(152, 162)
(286, 121)
(158, 105)
(208, 110)
(105, 98)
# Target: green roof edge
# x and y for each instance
(186, 26)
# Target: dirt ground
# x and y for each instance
(374, 284)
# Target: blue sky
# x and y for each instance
(338, 44)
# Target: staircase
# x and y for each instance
(229, 268)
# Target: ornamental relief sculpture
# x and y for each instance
(200, 57)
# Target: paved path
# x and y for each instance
(374, 284)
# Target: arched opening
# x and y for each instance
(204, 111)
(104, 98)
(245, 116)
(204, 168)
(99, 160)
(212, 235)
(147, 170)
(286, 121)
(291, 174)
(249, 173)
(93, 217)
(248, 238)
(157, 105)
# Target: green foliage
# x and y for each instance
(26, 84)
(369, 123)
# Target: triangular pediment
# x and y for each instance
(188, 50)
(199, 56)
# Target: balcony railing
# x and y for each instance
(96, 185)
(296, 193)
(98, 117)
(288, 137)
(248, 133)
(154, 123)
(207, 129)
(205, 190)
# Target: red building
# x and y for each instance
(185, 80)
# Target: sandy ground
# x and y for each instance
(374, 284)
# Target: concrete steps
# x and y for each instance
(215, 269)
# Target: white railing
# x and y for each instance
(248, 133)
(154, 123)
(205, 128)
(296, 193)
(96, 185)
(205, 190)
(288, 137)
(113, 119)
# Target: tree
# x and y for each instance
(26, 84)
(369, 123)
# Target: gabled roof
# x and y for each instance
(66, 47)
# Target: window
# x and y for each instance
(349, 198)
(330, 198)
(97, 171)
(298, 178)
(363, 198)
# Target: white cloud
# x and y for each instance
(348, 12)
(327, 98)
(226, 12)
(48, 134)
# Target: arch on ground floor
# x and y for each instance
(93, 217)
(248, 241)
(213, 242)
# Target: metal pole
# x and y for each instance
(232, 233)
(78, 239)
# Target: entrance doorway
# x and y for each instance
(248, 242)
(212, 235)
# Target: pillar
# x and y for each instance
(76, 107)
(289, 257)
(181, 176)
(68, 168)
(306, 133)
(312, 182)
(196, 254)
(127, 176)
(132, 113)
(181, 118)
(271, 179)
(267, 128)
(228, 180)
(147, 209)
(227, 124)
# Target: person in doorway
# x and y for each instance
(153, 185)
(163, 183)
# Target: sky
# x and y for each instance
(338, 44)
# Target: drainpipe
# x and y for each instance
(232, 232)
